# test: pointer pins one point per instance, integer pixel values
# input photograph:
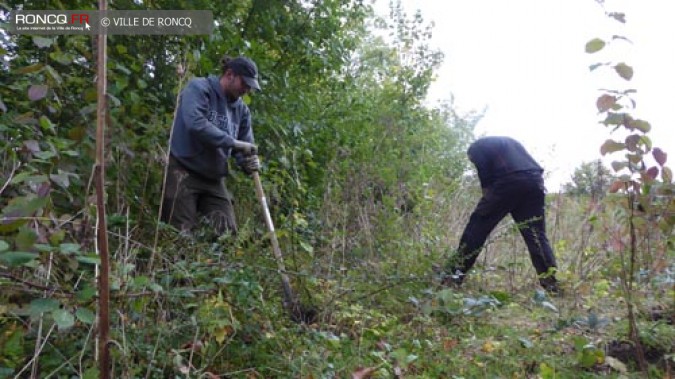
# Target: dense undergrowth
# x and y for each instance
(215, 308)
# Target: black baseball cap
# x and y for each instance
(247, 69)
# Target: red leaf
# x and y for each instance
(363, 373)
(44, 189)
(449, 344)
(195, 346)
(652, 172)
(37, 92)
(32, 145)
(660, 156)
(605, 102)
(617, 186)
(632, 142)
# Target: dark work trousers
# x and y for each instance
(189, 197)
(523, 196)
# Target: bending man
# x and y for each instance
(512, 183)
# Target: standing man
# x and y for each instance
(212, 123)
(512, 182)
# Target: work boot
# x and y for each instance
(551, 285)
(453, 280)
(446, 279)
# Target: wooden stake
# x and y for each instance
(102, 227)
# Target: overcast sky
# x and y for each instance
(524, 61)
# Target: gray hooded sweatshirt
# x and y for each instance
(206, 126)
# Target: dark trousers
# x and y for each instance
(523, 196)
(189, 198)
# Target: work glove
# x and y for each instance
(245, 148)
(250, 164)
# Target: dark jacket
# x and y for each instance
(498, 157)
(206, 127)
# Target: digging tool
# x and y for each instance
(298, 312)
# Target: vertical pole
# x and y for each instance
(101, 230)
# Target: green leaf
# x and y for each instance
(647, 142)
(634, 158)
(69, 248)
(43, 248)
(124, 70)
(140, 281)
(63, 319)
(667, 175)
(621, 17)
(26, 177)
(614, 119)
(307, 247)
(594, 45)
(640, 125)
(15, 214)
(45, 155)
(32, 68)
(611, 146)
(156, 288)
(25, 239)
(90, 95)
(587, 358)
(618, 166)
(546, 371)
(88, 109)
(121, 83)
(85, 315)
(61, 57)
(526, 343)
(54, 74)
(91, 373)
(4, 246)
(62, 180)
(579, 342)
(46, 124)
(17, 258)
(42, 41)
(91, 259)
(86, 294)
(12, 348)
(56, 237)
(593, 67)
(625, 71)
(39, 306)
